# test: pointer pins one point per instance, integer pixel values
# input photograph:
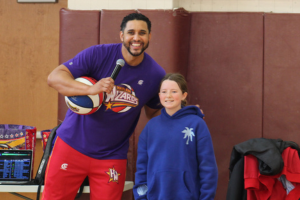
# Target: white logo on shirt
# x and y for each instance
(70, 63)
(64, 166)
(121, 99)
(188, 134)
(140, 82)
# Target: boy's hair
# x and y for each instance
(180, 80)
(135, 16)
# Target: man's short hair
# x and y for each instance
(135, 16)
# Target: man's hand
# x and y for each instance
(200, 109)
(104, 85)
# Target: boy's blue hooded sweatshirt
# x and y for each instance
(176, 159)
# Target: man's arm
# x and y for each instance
(150, 113)
(62, 80)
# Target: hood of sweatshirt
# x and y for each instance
(187, 110)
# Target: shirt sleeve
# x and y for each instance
(140, 188)
(208, 170)
(154, 103)
(81, 64)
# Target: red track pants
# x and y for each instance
(67, 168)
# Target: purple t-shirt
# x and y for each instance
(105, 133)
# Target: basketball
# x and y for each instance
(84, 105)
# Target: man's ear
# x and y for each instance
(121, 35)
(150, 35)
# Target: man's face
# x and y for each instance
(135, 37)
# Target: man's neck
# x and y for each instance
(130, 59)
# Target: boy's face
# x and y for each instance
(170, 96)
(135, 37)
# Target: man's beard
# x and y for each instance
(136, 54)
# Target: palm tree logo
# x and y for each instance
(188, 133)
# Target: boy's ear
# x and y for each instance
(184, 95)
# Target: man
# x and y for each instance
(96, 145)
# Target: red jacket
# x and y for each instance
(263, 187)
